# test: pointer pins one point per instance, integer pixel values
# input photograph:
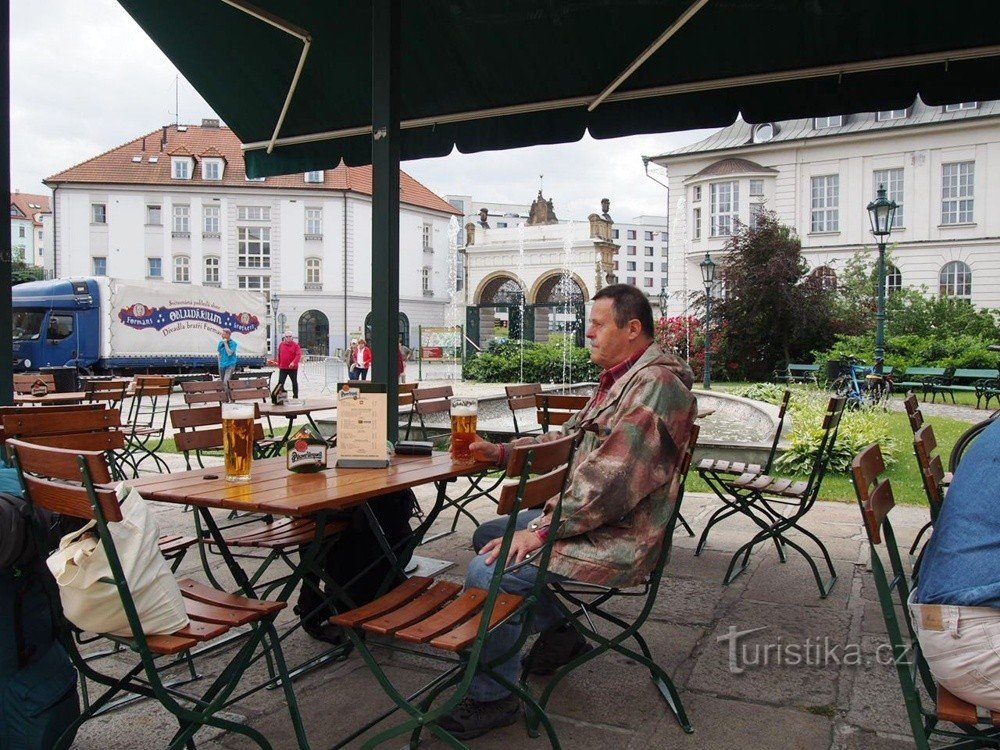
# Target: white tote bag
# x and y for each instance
(93, 604)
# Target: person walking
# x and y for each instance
(362, 360)
(349, 359)
(402, 362)
(289, 356)
(227, 355)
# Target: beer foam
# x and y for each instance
(237, 411)
(463, 411)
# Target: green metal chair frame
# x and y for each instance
(716, 472)
(147, 418)
(875, 500)
(422, 611)
(582, 602)
(765, 499)
(78, 484)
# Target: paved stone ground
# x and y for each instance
(834, 695)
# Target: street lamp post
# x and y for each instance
(275, 337)
(881, 211)
(708, 279)
(662, 298)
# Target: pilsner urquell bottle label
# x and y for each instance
(305, 451)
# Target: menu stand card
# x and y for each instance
(361, 426)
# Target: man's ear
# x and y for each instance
(634, 329)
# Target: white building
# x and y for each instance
(176, 204)
(642, 259)
(940, 164)
(29, 215)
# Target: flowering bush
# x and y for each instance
(685, 337)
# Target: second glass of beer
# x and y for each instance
(464, 412)
(237, 440)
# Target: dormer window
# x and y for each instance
(211, 168)
(181, 167)
(763, 132)
(834, 121)
(316, 176)
(890, 114)
(960, 106)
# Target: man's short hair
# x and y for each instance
(628, 303)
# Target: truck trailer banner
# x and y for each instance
(172, 318)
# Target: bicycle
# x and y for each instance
(861, 385)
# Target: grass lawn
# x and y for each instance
(906, 484)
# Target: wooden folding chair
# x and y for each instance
(765, 500)
(935, 480)
(252, 389)
(716, 472)
(147, 418)
(582, 602)
(109, 392)
(78, 484)
(428, 401)
(522, 397)
(875, 500)
(554, 409)
(456, 623)
(201, 392)
(199, 430)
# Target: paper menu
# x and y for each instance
(361, 425)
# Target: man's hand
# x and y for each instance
(523, 544)
(484, 451)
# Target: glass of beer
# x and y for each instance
(464, 412)
(237, 440)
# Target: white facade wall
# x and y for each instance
(920, 248)
(128, 242)
(634, 251)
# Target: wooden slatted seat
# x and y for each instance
(80, 485)
(522, 397)
(713, 469)
(282, 534)
(976, 727)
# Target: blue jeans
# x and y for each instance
(518, 582)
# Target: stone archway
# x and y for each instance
(497, 313)
(314, 332)
(558, 307)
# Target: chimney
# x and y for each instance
(209, 122)
(163, 139)
(144, 143)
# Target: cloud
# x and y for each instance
(85, 78)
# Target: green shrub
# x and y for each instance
(552, 362)
(771, 393)
(858, 429)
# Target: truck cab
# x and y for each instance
(56, 323)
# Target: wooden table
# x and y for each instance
(303, 408)
(50, 399)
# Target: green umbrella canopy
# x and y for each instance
(511, 73)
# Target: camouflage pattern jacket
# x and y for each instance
(623, 484)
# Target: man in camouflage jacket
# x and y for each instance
(621, 491)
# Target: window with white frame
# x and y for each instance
(154, 215)
(823, 277)
(648, 252)
(211, 169)
(98, 213)
(182, 269)
(210, 217)
(648, 236)
(253, 247)
(630, 280)
(825, 201)
(182, 219)
(696, 224)
(957, 192)
(663, 267)
(956, 280)
(426, 234)
(253, 213)
(100, 265)
(647, 267)
(725, 203)
(180, 167)
(892, 181)
(154, 268)
(316, 176)
(756, 211)
(891, 114)
(893, 279)
(630, 234)
(958, 107)
(696, 193)
(756, 188)
(254, 283)
(314, 272)
(647, 283)
(425, 281)
(314, 222)
(833, 121)
(211, 274)
(614, 234)
(630, 265)
(763, 133)
(630, 249)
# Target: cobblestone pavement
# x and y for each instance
(839, 695)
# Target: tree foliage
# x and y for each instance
(774, 311)
(21, 272)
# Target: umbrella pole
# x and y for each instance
(385, 203)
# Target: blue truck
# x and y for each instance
(102, 325)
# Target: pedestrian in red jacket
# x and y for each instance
(289, 356)
(362, 360)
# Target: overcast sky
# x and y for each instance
(85, 78)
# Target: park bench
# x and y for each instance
(983, 382)
(919, 378)
(796, 373)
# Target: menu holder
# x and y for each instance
(361, 426)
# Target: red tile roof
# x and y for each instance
(24, 202)
(116, 167)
